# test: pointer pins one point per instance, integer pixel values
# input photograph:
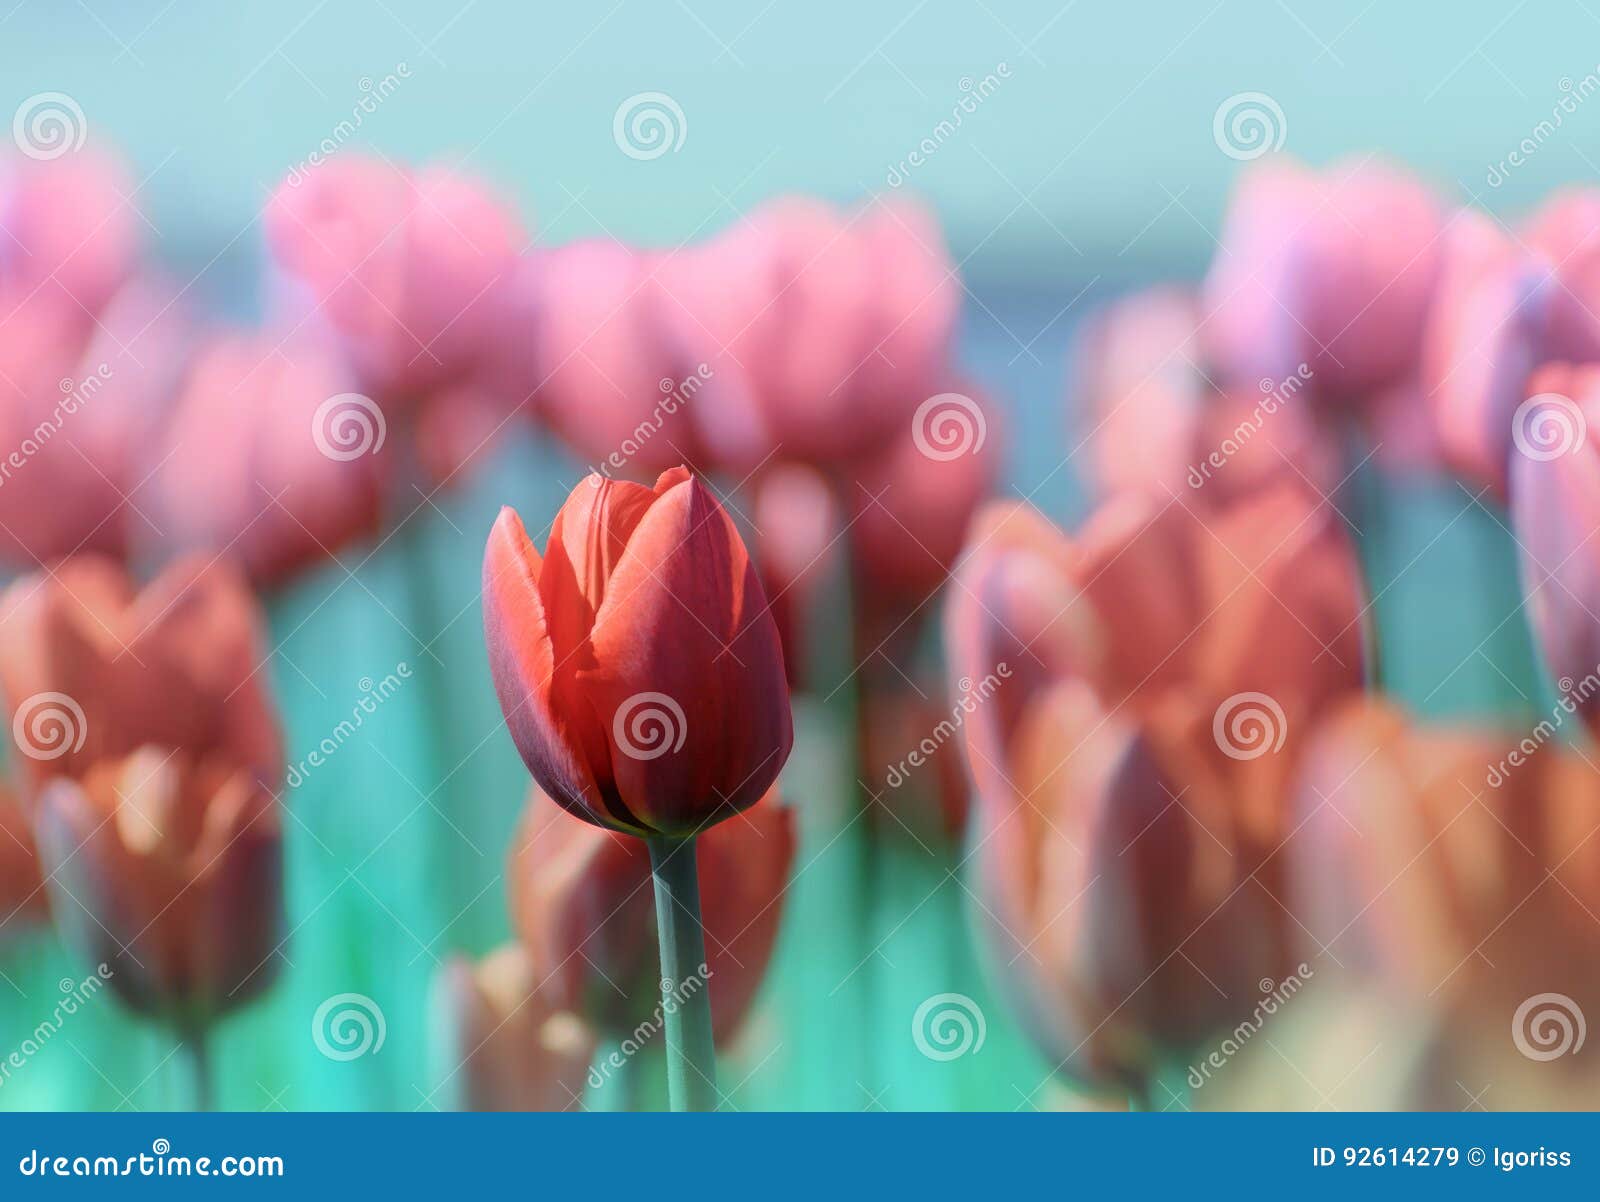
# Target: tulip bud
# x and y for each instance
(168, 870)
(508, 1048)
(636, 662)
(582, 905)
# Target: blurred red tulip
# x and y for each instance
(1455, 874)
(271, 459)
(637, 664)
(167, 869)
(1334, 270)
(509, 1048)
(93, 670)
(836, 327)
(1555, 509)
(582, 904)
(67, 236)
(409, 267)
(1134, 704)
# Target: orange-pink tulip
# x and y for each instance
(636, 662)
(582, 904)
(509, 1048)
(1135, 700)
(168, 869)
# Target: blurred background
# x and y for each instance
(1089, 167)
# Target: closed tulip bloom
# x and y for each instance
(1334, 269)
(168, 869)
(636, 662)
(408, 266)
(67, 235)
(836, 326)
(1453, 873)
(582, 905)
(508, 1048)
(1555, 507)
(1151, 684)
(270, 458)
(93, 669)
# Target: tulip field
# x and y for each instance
(538, 608)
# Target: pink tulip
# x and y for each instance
(800, 545)
(67, 235)
(270, 459)
(1334, 269)
(408, 266)
(837, 326)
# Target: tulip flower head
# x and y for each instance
(636, 662)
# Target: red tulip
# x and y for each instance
(582, 903)
(1134, 703)
(168, 869)
(1334, 270)
(1555, 507)
(93, 671)
(509, 1048)
(836, 327)
(636, 662)
(409, 267)
(271, 459)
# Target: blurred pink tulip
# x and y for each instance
(1150, 684)
(67, 235)
(797, 540)
(509, 1048)
(1555, 510)
(1333, 269)
(410, 267)
(622, 379)
(270, 459)
(835, 326)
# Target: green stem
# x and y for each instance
(197, 1053)
(685, 1003)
